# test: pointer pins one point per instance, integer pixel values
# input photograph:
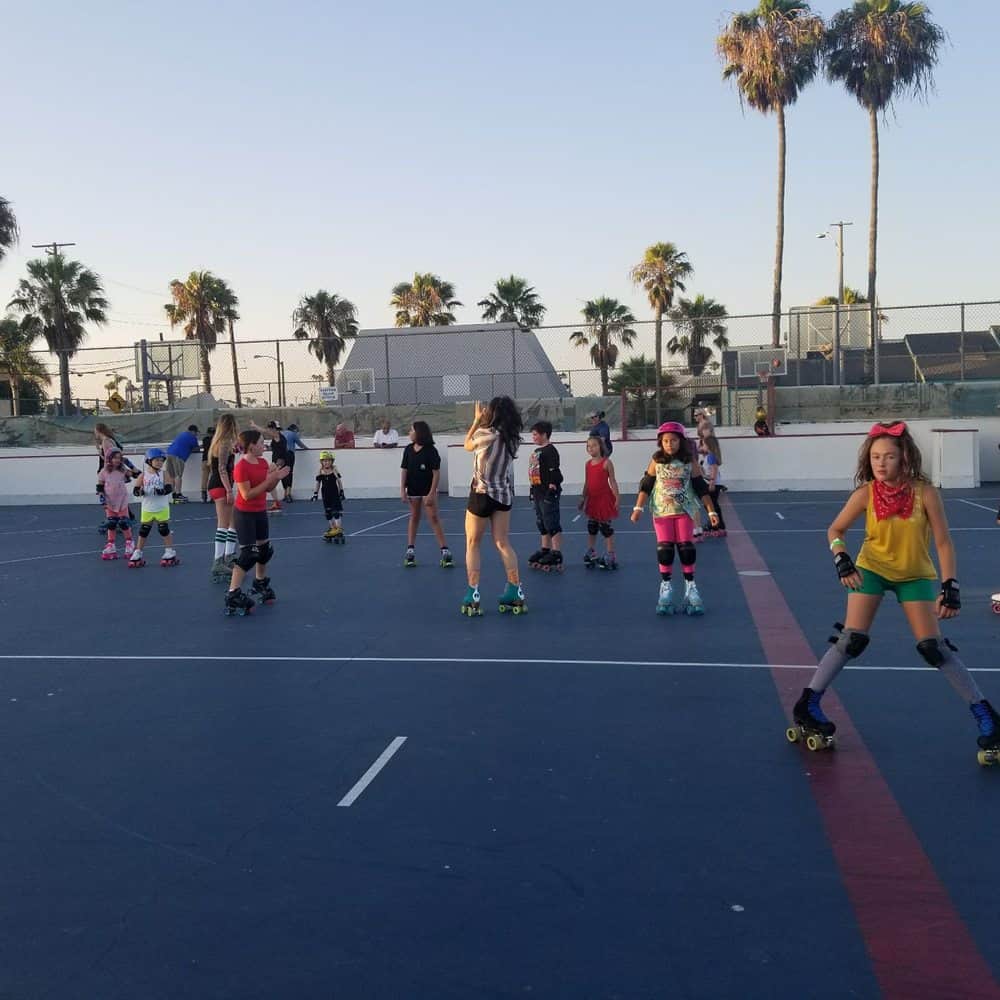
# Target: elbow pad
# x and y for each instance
(646, 484)
(699, 485)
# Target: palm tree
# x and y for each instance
(636, 377)
(8, 227)
(700, 320)
(607, 321)
(57, 299)
(229, 311)
(661, 272)
(426, 301)
(879, 50)
(852, 297)
(17, 364)
(327, 321)
(201, 306)
(773, 52)
(513, 300)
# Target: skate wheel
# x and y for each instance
(792, 734)
(996, 604)
(502, 609)
(813, 742)
(988, 757)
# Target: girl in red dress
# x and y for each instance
(600, 503)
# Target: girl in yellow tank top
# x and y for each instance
(902, 511)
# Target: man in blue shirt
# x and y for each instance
(294, 442)
(177, 455)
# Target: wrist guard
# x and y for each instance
(164, 491)
(137, 490)
(950, 597)
(845, 565)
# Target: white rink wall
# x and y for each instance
(957, 454)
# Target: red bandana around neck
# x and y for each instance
(892, 501)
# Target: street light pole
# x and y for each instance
(839, 241)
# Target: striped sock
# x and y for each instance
(230, 541)
(220, 542)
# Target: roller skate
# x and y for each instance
(535, 559)
(698, 535)
(410, 559)
(261, 592)
(551, 562)
(607, 561)
(995, 600)
(512, 599)
(590, 559)
(275, 507)
(329, 534)
(204, 497)
(137, 560)
(220, 572)
(129, 548)
(447, 560)
(989, 733)
(178, 498)
(691, 603)
(237, 603)
(230, 561)
(339, 538)
(170, 558)
(811, 723)
(470, 603)
(665, 602)
(110, 552)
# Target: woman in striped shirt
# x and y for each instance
(494, 438)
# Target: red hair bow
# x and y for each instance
(893, 430)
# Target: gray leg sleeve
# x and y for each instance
(940, 653)
(849, 644)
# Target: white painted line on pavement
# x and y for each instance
(369, 776)
(381, 524)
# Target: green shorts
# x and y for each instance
(905, 590)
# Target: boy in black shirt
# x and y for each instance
(546, 487)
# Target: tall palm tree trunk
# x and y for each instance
(331, 375)
(658, 318)
(236, 370)
(206, 367)
(779, 247)
(64, 390)
(15, 396)
(873, 226)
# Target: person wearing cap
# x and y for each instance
(600, 428)
(178, 452)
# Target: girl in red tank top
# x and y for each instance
(600, 503)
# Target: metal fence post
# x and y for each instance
(277, 362)
(513, 360)
(836, 346)
(388, 377)
(873, 311)
(144, 372)
(961, 340)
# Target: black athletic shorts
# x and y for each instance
(483, 505)
(251, 526)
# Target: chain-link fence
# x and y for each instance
(823, 346)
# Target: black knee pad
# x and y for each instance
(936, 650)
(606, 530)
(851, 642)
(540, 525)
(163, 527)
(665, 553)
(112, 524)
(247, 558)
(264, 553)
(687, 552)
(593, 527)
(145, 529)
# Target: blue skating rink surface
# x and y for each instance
(590, 801)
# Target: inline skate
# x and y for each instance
(237, 603)
(551, 562)
(512, 599)
(261, 592)
(470, 603)
(810, 722)
(665, 602)
(447, 560)
(691, 603)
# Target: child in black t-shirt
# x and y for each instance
(331, 486)
(420, 470)
(546, 486)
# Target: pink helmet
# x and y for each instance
(672, 427)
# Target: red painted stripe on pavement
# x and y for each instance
(920, 947)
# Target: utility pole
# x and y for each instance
(52, 249)
(840, 258)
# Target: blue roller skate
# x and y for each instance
(691, 604)
(512, 599)
(811, 723)
(665, 602)
(989, 732)
(470, 603)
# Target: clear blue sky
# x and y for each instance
(305, 145)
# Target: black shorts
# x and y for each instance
(483, 505)
(251, 526)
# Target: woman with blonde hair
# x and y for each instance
(221, 460)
